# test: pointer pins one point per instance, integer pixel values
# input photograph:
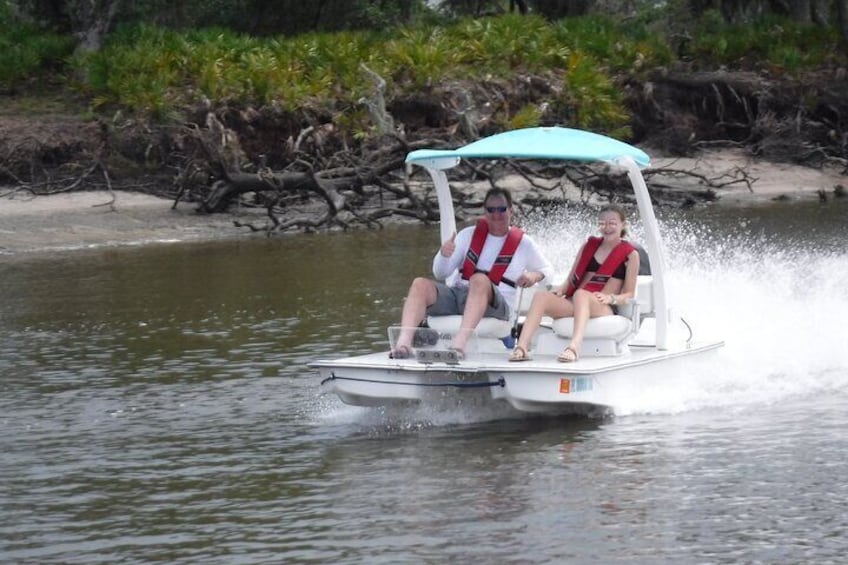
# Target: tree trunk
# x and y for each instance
(93, 20)
(521, 4)
(801, 11)
(821, 12)
(842, 16)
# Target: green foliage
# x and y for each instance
(6, 13)
(150, 69)
(621, 47)
(775, 42)
(157, 71)
(221, 66)
(27, 52)
(508, 43)
(527, 117)
(591, 100)
(419, 57)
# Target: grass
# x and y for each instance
(27, 52)
(156, 72)
(151, 70)
(777, 43)
(42, 104)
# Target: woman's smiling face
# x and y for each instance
(610, 224)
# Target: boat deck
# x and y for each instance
(490, 362)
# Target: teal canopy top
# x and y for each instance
(539, 143)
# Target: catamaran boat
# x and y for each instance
(645, 340)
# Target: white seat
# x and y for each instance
(488, 327)
(617, 327)
(612, 327)
(607, 335)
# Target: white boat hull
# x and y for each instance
(542, 385)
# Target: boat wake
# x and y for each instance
(781, 310)
(780, 306)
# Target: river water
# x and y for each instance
(155, 406)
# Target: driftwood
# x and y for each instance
(376, 185)
(321, 187)
(376, 105)
(301, 197)
(307, 172)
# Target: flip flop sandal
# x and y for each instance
(460, 353)
(402, 352)
(564, 356)
(519, 354)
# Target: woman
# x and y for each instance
(603, 276)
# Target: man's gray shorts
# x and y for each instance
(451, 300)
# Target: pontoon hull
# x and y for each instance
(543, 385)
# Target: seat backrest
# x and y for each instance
(644, 259)
(645, 294)
(643, 305)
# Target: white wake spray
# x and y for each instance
(780, 307)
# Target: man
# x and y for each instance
(481, 266)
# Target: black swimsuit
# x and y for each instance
(619, 273)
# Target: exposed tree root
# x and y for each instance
(308, 175)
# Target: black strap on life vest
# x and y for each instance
(596, 284)
(478, 239)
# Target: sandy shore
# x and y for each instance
(768, 180)
(92, 219)
(83, 220)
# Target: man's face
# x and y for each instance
(499, 214)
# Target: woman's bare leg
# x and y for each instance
(585, 306)
(543, 304)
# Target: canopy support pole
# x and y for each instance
(447, 224)
(654, 245)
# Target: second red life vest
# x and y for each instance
(596, 284)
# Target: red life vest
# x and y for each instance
(481, 230)
(596, 284)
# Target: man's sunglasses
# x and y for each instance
(493, 209)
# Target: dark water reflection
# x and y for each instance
(155, 407)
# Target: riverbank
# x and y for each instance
(82, 220)
(759, 180)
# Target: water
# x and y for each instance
(155, 407)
